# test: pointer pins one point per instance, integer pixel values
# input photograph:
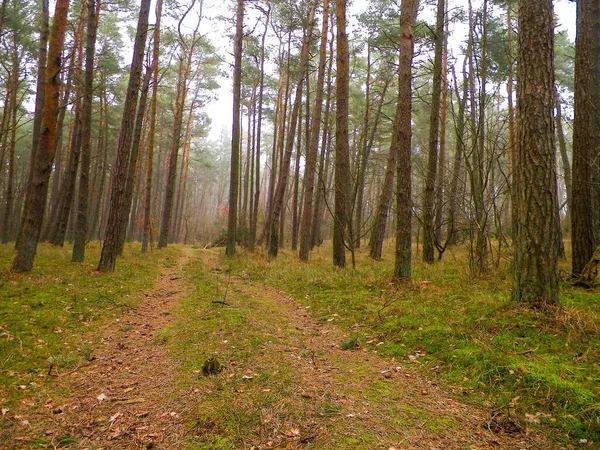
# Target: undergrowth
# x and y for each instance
(541, 367)
(49, 318)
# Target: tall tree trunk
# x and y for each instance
(185, 62)
(441, 176)
(279, 196)
(378, 230)
(57, 236)
(512, 144)
(322, 185)
(296, 192)
(363, 153)
(566, 165)
(133, 161)
(147, 239)
(341, 220)
(535, 266)
(586, 132)
(479, 252)
(261, 82)
(312, 148)
(236, 132)
(10, 117)
(39, 97)
(434, 122)
(403, 259)
(459, 151)
(86, 134)
(42, 164)
(110, 248)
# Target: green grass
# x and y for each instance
(543, 364)
(49, 318)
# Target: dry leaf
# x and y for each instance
(115, 417)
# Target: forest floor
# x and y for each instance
(283, 380)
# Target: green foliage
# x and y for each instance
(48, 318)
(543, 366)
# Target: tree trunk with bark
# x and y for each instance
(341, 220)
(110, 248)
(535, 266)
(279, 196)
(434, 123)
(312, 149)
(403, 257)
(586, 132)
(86, 135)
(147, 238)
(236, 132)
(42, 164)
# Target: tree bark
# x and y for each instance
(261, 82)
(403, 257)
(42, 164)
(434, 122)
(81, 228)
(236, 132)
(535, 267)
(341, 220)
(279, 196)
(147, 238)
(185, 62)
(117, 209)
(312, 149)
(586, 132)
(39, 98)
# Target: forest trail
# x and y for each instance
(293, 386)
(285, 382)
(123, 399)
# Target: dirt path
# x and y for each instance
(336, 399)
(123, 399)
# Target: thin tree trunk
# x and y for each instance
(10, 115)
(432, 159)
(312, 148)
(147, 239)
(387, 190)
(315, 233)
(133, 161)
(295, 196)
(254, 226)
(512, 144)
(562, 147)
(278, 199)
(180, 98)
(441, 176)
(86, 135)
(236, 132)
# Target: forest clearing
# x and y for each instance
(186, 349)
